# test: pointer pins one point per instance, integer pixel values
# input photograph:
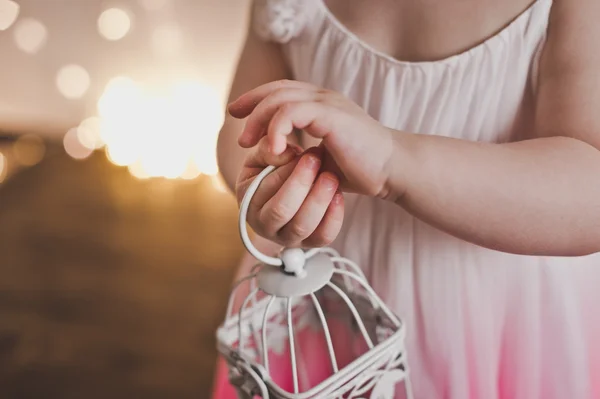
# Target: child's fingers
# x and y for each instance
(258, 121)
(245, 104)
(267, 189)
(314, 117)
(260, 157)
(330, 225)
(284, 205)
(312, 210)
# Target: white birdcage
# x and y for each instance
(311, 327)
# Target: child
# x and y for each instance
(467, 151)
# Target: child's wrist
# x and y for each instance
(400, 166)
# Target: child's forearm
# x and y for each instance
(535, 197)
(230, 155)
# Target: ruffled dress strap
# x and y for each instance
(280, 21)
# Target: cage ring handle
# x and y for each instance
(293, 254)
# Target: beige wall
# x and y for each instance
(29, 100)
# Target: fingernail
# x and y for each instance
(313, 161)
(330, 182)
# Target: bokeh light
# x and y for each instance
(191, 172)
(72, 81)
(137, 170)
(88, 133)
(121, 93)
(73, 146)
(120, 156)
(30, 35)
(9, 11)
(3, 167)
(170, 133)
(206, 160)
(29, 150)
(114, 24)
(167, 40)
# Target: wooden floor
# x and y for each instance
(111, 287)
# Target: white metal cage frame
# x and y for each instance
(301, 291)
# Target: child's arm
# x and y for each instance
(537, 197)
(260, 62)
(292, 189)
(540, 196)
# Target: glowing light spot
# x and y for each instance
(167, 162)
(206, 162)
(89, 133)
(120, 156)
(153, 5)
(72, 81)
(29, 150)
(30, 35)
(120, 95)
(191, 172)
(167, 40)
(9, 11)
(114, 24)
(137, 170)
(170, 133)
(3, 167)
(73, 146)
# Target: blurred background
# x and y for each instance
(118, 238)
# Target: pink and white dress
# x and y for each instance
(481, 324)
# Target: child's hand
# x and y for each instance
(297, 205)
(358, 148)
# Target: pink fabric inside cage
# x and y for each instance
(312, 359)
